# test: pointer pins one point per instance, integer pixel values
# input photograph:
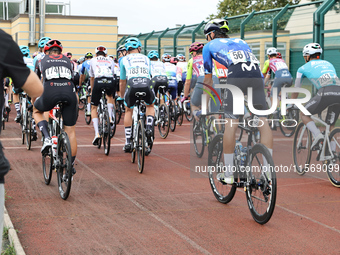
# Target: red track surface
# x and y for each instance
(112, 209)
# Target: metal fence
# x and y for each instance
(288, 28)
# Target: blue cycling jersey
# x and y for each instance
(86, 65)
(320, 72)
(227, 51)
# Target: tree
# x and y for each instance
(231, 8)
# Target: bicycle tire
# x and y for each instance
(293, 117)
(133, 152)
(303, 147)
(106, 133)
(172, 111)
(140, 146)
(179, 113)
(197, 131)
(187, 113)
(64, 171)
(224, 193)
(87, 117)
(334, 176)
(28, 131)
(118, 112)
(81, 105)
(113, 128)
(262, 185)
(47, 163)
(163, 120)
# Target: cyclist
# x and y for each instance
(243, 72)
(41, 53)
(182, 64)
(324, 78)
(135, 73)
(158, 73)
(121, 51)
(58, 86)
(282, 74)
(16, 91)
(101, 76)
(84, 77)
(171, 72)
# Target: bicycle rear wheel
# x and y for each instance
(133, 153)
(172, 111)
(114, 125)
(106, 133)
(64, 167)
(224, 193)
(140, 146)
(87, 117)
(47, 163)
(301, 148)
(163, 121)
(333, 171)
(118, 111)
(198, 137)
(179, 113)
(289, 122)
(187, 113)
(261, 192)
(29, 131)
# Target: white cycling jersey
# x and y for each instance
(157, 68)
(101, 67)
(135, 65)
(117, 70)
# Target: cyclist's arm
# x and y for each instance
(188, 78)
(265, 67)
(33, 86)
(266, 79)
(299, 76)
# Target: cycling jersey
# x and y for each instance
(85, 66)
(265, 67)
(182, 70)
(29, 63)
(157, 69)
(135, 65)
(320, 72)
(37, 59)
(277, 64)
(195, 67)
(101, 66)
(227, 51)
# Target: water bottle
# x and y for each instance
(54, 146)
(238, 145)
(244, 155)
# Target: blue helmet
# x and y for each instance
(153, 54)
(180, 57)
(43, 41)
(25, 50)
(133, 43)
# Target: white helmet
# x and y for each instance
(271, 51)
(311, 49)
(101, 48)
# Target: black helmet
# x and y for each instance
(216, 25)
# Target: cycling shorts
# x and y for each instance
(244, 76)
(138, 85)
(54, 92)
(328, 96)
(282, 77)
(159, 80)
(100, 84)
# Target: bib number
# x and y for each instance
(280, 66)
(325, 79)
(253, 58)
(138, 72)
(238, 57)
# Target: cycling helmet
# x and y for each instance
(53, 43)
(166, 57)
(69, 55)
(153, 54)
(278, 55)
(25, 50)
(271, 51)
(81, 59)
(102, 49)
(180, 57)
(88, 55)
(216, 25)
(196, 46)
(121, 48)
(133, 43)
(311, 49)
(43, 41)
(111, 56)
(173, 60)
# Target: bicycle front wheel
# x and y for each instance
(261, 191)
(29, 131)
(179, 113)
(118, 112)
(289, 122)
(333, 171)
(163, 121)
(140, 146)
(172, 111)
(47, 163)
(64, 168)
(87, 114)
(223, 192)
(198, 137)
(187, 113)
(301, 148)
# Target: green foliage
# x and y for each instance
(229, 8)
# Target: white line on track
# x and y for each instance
(144, 209)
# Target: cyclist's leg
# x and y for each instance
(95, 98)
(196, 98)
(111, 91)
(150, 110)
(16, 102)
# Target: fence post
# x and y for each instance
(175, 39)
(244, 22)
(146, 39)
(329, 5)
(193, 34)
(275, 20)
(159, 40)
